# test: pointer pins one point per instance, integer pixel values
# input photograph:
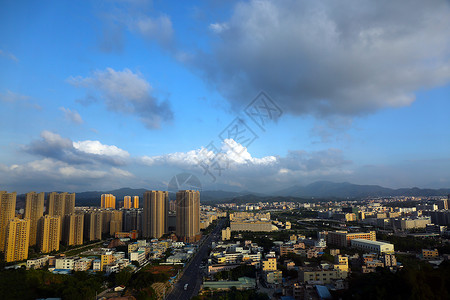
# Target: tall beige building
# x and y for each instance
(48, 233)
(7, 213)
(135, 201)
(61, 205)
(112, 221)
(93, 225)
(115, 225)
(17, 240)
(34, 210)
(73, 229)
(108, 201)
(156, 211)
(106, 220)
(188, 215)
(127, 202)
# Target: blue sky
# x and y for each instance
(97, 95)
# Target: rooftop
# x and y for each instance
(377, 243)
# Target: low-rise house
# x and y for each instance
(97, 265)
(213, 269)
(113, 268)
(138, 256)
(177, 258)
(65, 263)
(430, 254)
(243, 283)
(37, 263)
(319, 275)
(273, 278)
(82, 264)
(372, 246)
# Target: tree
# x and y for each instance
(123, 277)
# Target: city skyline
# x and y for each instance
(63, 221)
(104, 95)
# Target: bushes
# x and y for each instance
(32, 284)
(410, 283)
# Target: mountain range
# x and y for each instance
(349, 190)
(319, 189)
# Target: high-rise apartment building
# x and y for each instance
(69, 207)
(116, 222)
(132, 220)
(112, 221)
(73, 229)
(93, 225)
(61, 205)
(188, 215)
(34, 210)
(156, 210)
(7, 213)
(17, 240)
(108, 201)
(106, 220)
(135, 201)
(127, 202)
(49, 233)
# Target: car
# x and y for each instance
(186, 286)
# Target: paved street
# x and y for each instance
(192, 274)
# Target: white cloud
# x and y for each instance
(218, 27)
(95, 147)
(231, 152)
(237, 162)
(126, 92)
(72, 115)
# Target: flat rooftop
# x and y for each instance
(378, 243)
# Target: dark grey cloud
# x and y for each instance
(53, 146)
(125, 92)
(329, 58)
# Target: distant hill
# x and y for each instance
(317, 190)
(251, 198)
(349, 190)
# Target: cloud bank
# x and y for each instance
(237, 165)
(67, 164)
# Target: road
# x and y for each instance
(192, 274)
